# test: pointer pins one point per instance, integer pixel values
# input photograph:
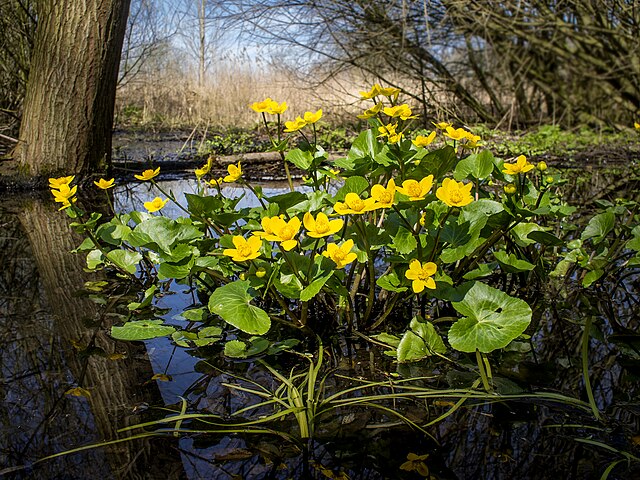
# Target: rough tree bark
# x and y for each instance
(68, 110)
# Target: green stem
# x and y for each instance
(437, 239)
(585, 367)
(485, 374)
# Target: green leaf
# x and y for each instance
(205, 336)
(391, 340)
(199, 314)
(141, 330)
(354, 184)
(301, 159)
(287, 200)
(146, 300)
(478, 166)
(511, 263)
(125, 260)
(203, 207)
(439, 162)
(366, 145)
(598, 227)
(238, 349)
(235, 349)
(491, 320)
(163, 232)
(231, 303)
(592, 277)
(420, 341)
(94, 259)
(404, 242)
(391, 282)
(521, 233)
(314, 287)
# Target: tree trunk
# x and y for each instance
(68, 110)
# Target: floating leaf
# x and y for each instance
(231, 302)
(239, 349)
(491, 320)
(141, 330)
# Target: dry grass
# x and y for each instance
(167, 96)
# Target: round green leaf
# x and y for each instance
(491, 320)
(141, 330)
(231, 302)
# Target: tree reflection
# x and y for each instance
(54, 339)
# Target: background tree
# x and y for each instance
(68, 108)
(508, 63)
(17, 29)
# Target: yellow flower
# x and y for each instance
(403, 111)
(421, 141)
(148, 174)
(510, 189)
(64, 193)
(374, 92)
(235, 172)
(442, 125)
(295, 125)
(341, 255)
(371, 112)
(245, 249)
(421, 274)
(384, 197)
(206, 168)
(155, 204)
(456, 133)
(388, 130)
(311, 117)
(354, 204)
(262, 106)
(521, 166)
(416, 190)
(396, 137)
(390, 92)
(321, 226)
(55, 183)
(636, 125)
(216, 182)
(455, 194)
(276, 108)
(276, 229)
(472, 140)
(104, 184)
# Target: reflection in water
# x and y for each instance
(42, 318)
(55, 340)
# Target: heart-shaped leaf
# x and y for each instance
(141, 330)
(231, 302)
(491, 320)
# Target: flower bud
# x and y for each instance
(510, 189)
(261, 272)
(541, 166)
(548, 179)
(242, 276)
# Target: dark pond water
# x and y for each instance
(55, 338)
